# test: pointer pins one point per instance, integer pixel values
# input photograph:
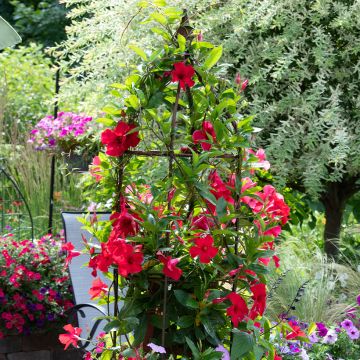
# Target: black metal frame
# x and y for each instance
(16, 187)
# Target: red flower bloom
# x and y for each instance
(183, 74)
(238, 310)
(72, 337)
(275, 206)
(204, 136)
(127, 257)
(259, 297)
(71, 253)
(118, 140)
(98, 289)
(202, 221)
(170, 269)
(124, 224)
(277, 357)
(204, 249)
(101, 261)
(219, 188)
(297, 332)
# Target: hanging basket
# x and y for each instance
(77, 162)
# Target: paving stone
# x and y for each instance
(10, 344)
(32, 355)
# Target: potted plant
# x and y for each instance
(69, 134)
(34, 285)
(191, 235)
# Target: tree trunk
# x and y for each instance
(334, 201)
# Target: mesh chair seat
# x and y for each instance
(81, 278)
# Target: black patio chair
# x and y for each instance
(86, 311)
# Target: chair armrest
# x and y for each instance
(78, 309)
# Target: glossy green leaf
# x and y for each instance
(213, 57)
(242, 344)
(186, 299)
(106, 121)
(138, 51)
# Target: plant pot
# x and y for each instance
(43, 345)
(77, 162)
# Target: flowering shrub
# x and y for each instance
(63, 133)
(34, 286)
(189, 252)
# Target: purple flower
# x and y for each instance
(156, 348)
(50, 317)
(226, 355)
(347, 324)
(313, 338)
(303, 355)
(358, 299)
(330, 337)
(353, 333)
(294, 348)
(322, 330)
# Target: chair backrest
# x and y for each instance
(80, 274)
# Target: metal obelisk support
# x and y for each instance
(52, 171)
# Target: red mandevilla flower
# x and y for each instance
(98, 289)
(71, 253)
(127, 257)
(204, 249)
(219, 189)
(183, 74)
(170, 269)
(205, 135)
(297, 332)
(259, 297)
(124, 223)
(72, 337)
(238, 310)
(119, 140)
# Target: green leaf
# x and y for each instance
(112, 326)
(182, 42)
(118, 86)
(161, 19)
(258, 352)
(242, 344)
(164, 35)
(159, 3)
(132, 101)
(106, 121)
(186, 299)
(106, 355)
(123, 326)
(227, 104)
(213, 57)
(267, 327)
(203, 44)
(138, 51)
(185, 321)
(140, 331)
(209, 327)
(193, 348)
(111, 110)
(221, 206)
